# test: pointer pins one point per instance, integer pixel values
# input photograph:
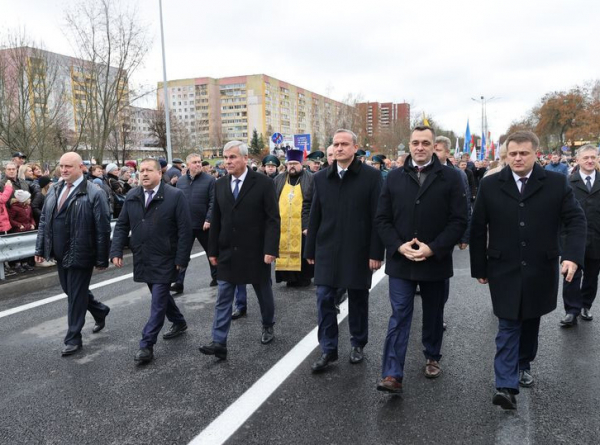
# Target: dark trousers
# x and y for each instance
(222, 320)
(241, 297)
(358, 317)
(516, 348)
(202, 237)
(163, 305)
(581, 292)
(402, 299)
(76, 283)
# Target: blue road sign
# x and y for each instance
(277, 138)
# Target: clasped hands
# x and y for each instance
(415, 250)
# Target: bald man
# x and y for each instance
(74, 229)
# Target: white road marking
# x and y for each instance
(58, 297)
(228, 422)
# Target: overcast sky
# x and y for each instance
(436, 55)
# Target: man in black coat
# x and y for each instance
(199, 190)
(343, 245)
(422, 215)
(515, 229)
(579, 295)
(242, 243)
(75, 230)
(158, 217)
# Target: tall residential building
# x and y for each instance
(215, 111)
(377, 117)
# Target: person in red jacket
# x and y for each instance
(5, 194)
(21, 220)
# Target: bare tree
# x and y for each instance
(180, 136)
(110, 43)
(33, 100)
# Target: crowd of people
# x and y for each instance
(334, 222)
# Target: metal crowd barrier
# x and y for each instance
(18, 246)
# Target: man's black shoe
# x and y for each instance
(238, 313)
(356, 355)
(324, 361)
(176, 289)
(100, 324)
(213, 283)
(175, 331)
(219, 350)
(267, 335)
(525, 378)
(70, 350)
(143, 356)
(568, 321)
(586, 314)
(505, 399)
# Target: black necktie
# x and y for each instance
(236, 189)
(523, 184)
(588, 183)
(342, 173)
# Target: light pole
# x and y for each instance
(483, 102)
(165, 95)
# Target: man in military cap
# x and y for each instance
(294, 191)
(378, 162)
(314, 161)
(271, 164)
(361, 155)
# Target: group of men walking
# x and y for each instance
(338, 223)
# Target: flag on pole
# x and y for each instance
(473, 157)
(483, 148)
(467, 147)
(457, 148)
(425, 121)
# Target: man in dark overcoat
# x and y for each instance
(515, 249)
(343, 245)
(158, 217)
(579, 294)
(74, 229)
(422, 215)
(242, 243)
(199, 190)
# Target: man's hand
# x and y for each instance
(269, 259)
(568, 269)
(482, 280)
(206, 226)
(38, 259)
(310, 260)
(213, 260)
(374, 265)
(463, 246)
(118, 262)
(423, 251)
(174, 179)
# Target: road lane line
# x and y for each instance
(230, 420)
(58, 297)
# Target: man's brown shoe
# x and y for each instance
(391, 385)
(432, 369)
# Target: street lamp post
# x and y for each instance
(165, 95)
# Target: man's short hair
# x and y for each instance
(154, 161)
(242, 147)
(587, 147)
(191, 156)
(523, 136)
(443, 140)
(424, 128)
(350, 132)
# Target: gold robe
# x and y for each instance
(290, 243)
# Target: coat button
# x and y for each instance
(523, 263)
(418, 202)
(523, 243)
(235, 248)
(521, 204)
(522, 224)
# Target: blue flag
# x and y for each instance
(467, 147)
(483, 147)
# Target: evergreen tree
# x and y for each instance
(255, 144)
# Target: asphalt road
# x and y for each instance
(101, 397)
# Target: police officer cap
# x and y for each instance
(316, 156)
(360, 153)
(377, 159)
(271, 160)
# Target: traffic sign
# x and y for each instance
(277, 138)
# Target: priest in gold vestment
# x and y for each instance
(294, 190)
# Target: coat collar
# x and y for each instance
(535, 182)
(354, 167)
(246, 186)
(576, 181)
